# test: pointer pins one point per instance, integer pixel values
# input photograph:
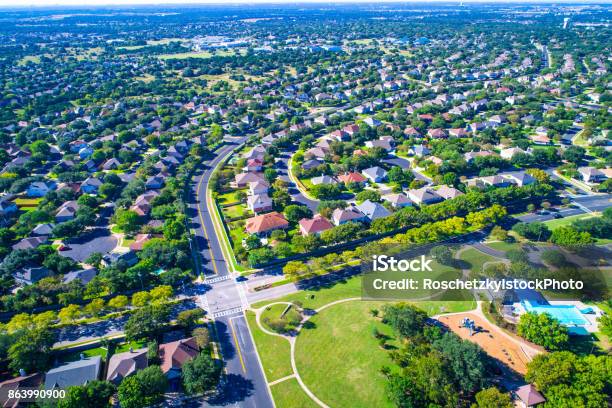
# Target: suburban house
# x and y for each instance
(419, 151)
(312, 164)
(90, 185)
(324, 179)
(43, 229)
(510, 152)
(424, 195)
(139, 241)
(375, 174)
(84, 276)
(258, 187)
(315, 153)
(383, 143)
(173, 355)
(40, 188)
(253, 165)
(29, 275)
(520, 178)
(111, 164)
(78, 372)
(314, 225)
(447, 192)
(373, 210)
(243, 179)
(591, 174)
(352, 177)
(66, 212)
(142, 204)
(123, 365)
(120, 254)
(397, 200)
(154, 183)
(342, 216)
(266, 223)
(21, 382)
(31, 242)
(528, 396)
(259, 203)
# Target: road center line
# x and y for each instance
(237, 345)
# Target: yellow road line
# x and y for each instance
(237, 345)
(212, 258)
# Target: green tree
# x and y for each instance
(94, 394)
(295, 213)
(405, 319)
(568, 236)
(41, 148)
(201, 374)
(173, 229)
(371, 195)
(118, 302)
(566, 379)
(492, 398)
(188, 319)
(31, 351)
(543, 329)
(127, 221)
(147, 323)
(143, 389)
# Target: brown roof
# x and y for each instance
(177, 353)
(122, 365)
(266, 222)
(139, 242)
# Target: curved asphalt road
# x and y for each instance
(244, 384)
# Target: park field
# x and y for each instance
(336, 353)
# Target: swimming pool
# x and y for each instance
(568, 315)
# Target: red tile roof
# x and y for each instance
(351, 178)
(266, 222)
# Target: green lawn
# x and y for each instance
(98, 351)
(123, 347)
(274, 351)
(476, 259)
(315, 298)
(273, 313)
(289, 394)
(351, 288)
(340, 360)
(337, 355)
(229, 197)
(502, 246)
(236, 211)
(237, 233)
(562, 222)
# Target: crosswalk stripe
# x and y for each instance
(228, 312)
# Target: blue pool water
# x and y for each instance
(568, 315)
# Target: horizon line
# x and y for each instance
(131, 3)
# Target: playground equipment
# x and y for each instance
(469, 324)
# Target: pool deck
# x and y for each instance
(590, 320)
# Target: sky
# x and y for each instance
(39, 3)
